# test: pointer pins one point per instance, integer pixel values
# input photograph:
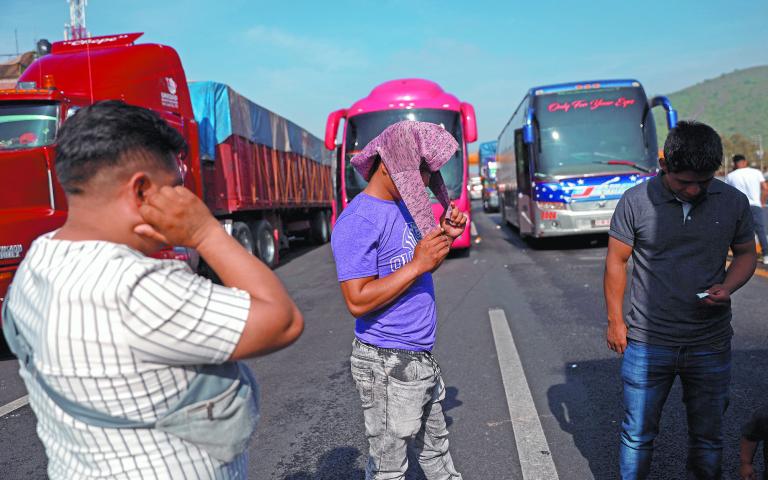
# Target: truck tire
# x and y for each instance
(320, 227)
(244, 237)
(266, 247)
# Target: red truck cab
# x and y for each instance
(77, 73)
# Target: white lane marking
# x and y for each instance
(535, 456)
(473, 229)
(14, 405)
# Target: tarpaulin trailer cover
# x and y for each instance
(253, 158)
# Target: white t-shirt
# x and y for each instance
(120, 333)
(748, 181)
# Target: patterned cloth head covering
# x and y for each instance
(402, 147)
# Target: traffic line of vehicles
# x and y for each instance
(565, 157)
(488, 192)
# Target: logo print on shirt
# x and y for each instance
(410, 234)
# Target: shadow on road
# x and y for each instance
(341, 462)
(589, 407)
(451, 401)
(5, 352)
(338, 463)
(298, 248)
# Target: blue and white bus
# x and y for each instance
(571, 150)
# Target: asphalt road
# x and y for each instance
(312, 422)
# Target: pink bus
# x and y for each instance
(408, 99)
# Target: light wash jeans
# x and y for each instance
(648, 372)
(401, 393)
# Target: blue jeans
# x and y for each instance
(757, 216)
(648, 372)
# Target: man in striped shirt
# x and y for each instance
(120, 332)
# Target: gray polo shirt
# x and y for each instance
(675, 257)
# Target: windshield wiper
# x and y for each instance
(625, 163)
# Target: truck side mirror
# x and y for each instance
(469, 122)
(332, 127)
(43, 47)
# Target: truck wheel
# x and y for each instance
(266, 248)
(244, 237)
(320, 227)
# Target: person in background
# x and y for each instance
(678, 228)
(751, 182)
(123, 334)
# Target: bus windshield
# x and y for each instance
(27, 124)
(363, 128)
(583, 132)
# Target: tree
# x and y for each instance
(738, 144)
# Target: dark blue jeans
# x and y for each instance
(648, 372)
(757, 216)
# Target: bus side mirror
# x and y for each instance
(671, 112)
(528, 128)
(671, 118)
(469, 122)
(332, 127)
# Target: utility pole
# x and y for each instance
(759, 152)
(75, 29)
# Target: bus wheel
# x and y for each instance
(320, 227)
(266, 247)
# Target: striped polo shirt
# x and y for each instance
(120, 333)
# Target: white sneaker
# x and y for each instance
(765, 259)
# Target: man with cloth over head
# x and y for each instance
(386, 245)
(677, 228)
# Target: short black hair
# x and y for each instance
(738, 158)
(100, 135)
(693, 146)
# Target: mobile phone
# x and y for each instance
(702, 295)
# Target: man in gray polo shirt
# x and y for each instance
(677, 228)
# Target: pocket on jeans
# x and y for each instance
(362, 374)
(721, 346)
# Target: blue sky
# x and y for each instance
(304, 59)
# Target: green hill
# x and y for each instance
(733, 103)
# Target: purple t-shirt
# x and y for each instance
(374, 237)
